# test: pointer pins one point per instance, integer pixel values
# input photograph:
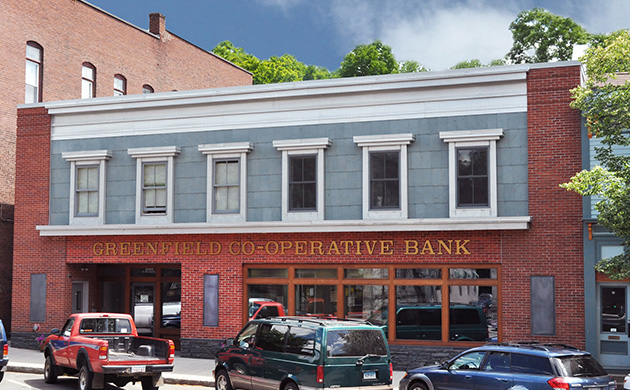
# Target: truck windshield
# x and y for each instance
(105, 325)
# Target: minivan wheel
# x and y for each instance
(418, 386)
(222, 381)
(290, 386)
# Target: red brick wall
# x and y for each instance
(553, 245)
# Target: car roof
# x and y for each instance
(534, 348)
(317, 322)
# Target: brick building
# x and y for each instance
(360, 197)
(74, 50)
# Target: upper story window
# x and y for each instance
(154, 183)
(87, 186)
(146, 88)
(385, 183)
(472, 172)
(34, 71)
(303, 178)
(120, 85)
(227, 181)
(88, 81)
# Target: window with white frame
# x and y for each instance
(88, 78)
(227, 181)
(120, 85)
(33, 74)
(303, 178)
(472, 172)
(154, 183)
(87, 186)
(385, 193)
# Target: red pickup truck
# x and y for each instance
(103, 348)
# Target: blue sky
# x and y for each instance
(436, 33)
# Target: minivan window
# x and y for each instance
(246, 338)
(271, 337)
(583, 366)
(355, 342)
(301, 341)
(528, 364)
(463, 316)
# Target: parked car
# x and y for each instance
(291, 353)
(105, 347)
(4, 358)
(265, 309)
(424, 322)
(531, 366)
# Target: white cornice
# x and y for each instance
(160, 151)
(383, 139)
(87, 155)
(234, 147)
(302, 144)
(471, 135)
(424, 224)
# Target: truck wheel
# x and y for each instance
(147, 383)
(1, 375)
(222, 381)
(85, 378)
(50, 370)
(290, 386)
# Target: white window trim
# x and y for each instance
(88, 157)
(226, 151)
(148, 155)
(384, 143)
(468, 139)
(307, 146)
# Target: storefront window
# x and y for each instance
(258, 293)
(472, 273)
(366, 273)
(139, 272)
(316, 300)
(367, 302)
(171, 304)
(473, 313)
(316, 273)
(418, 273)
(418, 312)
(268, 273)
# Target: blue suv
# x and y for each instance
(529, 365)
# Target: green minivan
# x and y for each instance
(294, 353)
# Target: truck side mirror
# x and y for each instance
(55, 331)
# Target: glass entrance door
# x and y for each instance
(143, 299)
(613, 326)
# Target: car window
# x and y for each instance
(246, 338)
(355, 342)
(581, 366)
(67, 327)
(105, 325)
(528, 364)
(271, 337)
(301, 341)
(469, 361)
(461, 316)
(268, 311)
(497, 362)
(2, 335)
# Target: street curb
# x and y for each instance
(25, 368)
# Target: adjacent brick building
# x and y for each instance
(73, 49)
(363, 197)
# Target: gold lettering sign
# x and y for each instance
(284, 248)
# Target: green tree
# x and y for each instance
(468, 64)
(237, 56)
(411, 67)
(367, 60)
(314, 72)
(604, 101)
(541, 36)
(279, 70)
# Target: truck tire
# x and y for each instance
(85, 378)
(147, 383)
(222, 381)
(50, 370)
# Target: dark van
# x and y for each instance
(4, 346)
(291, 353)
(424, 322)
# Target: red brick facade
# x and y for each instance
(72, 32)
(551, 246)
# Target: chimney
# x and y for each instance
(157, 24)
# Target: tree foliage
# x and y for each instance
(367, 60)
(541, 36)
(411, 67)
(605, 103)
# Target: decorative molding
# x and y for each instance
(420, 225)
(87, 155)
(160, 151)
(302, 144)
(383, 140)
(471, 135)
(226, 148)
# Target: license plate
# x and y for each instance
(369, 375)
(138, 369)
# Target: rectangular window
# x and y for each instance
(87, 183)
(226, 186)
(301, 341)
(543, 301)
(384, 180)
(302, 183)
(154, 188)
(271, 337)
(88, 73)
(120, 85)
(33, 73)
(211, 300)
(472, 177)
(38, 298)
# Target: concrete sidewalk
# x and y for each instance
(186, 371)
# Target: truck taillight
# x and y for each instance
(558, 384)
(102, 352)
(171, 351)
(391, 372)
(320, 374)
(5, 350)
